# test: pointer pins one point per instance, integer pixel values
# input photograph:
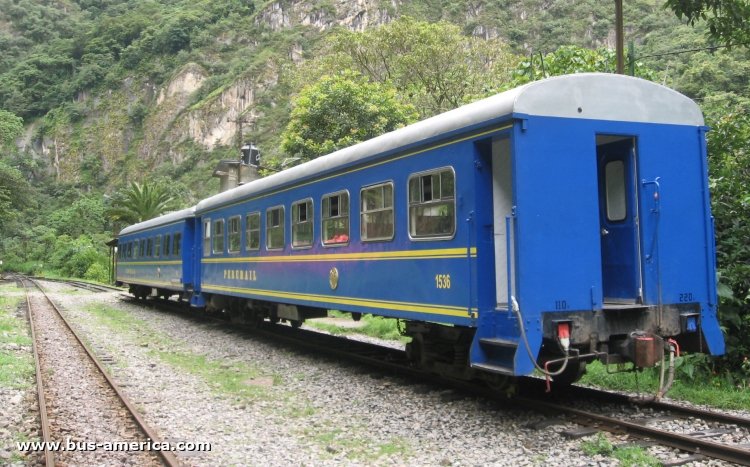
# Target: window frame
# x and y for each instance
(616, 191)
(248, 231)
(167, 246)
(282, 226)
(206, 234)
(177, 244)
(157, 246)
(348, 218)
(428, 238)
(238, 234)
(216, 237)
(392, 209)
(310, 220)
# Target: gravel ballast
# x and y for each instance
(260, 403)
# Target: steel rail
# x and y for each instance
(84, 285)
(167, 456)
(684, 442)
(49, 457)
(703, 414)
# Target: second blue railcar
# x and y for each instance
(156, 257)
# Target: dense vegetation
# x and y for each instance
(81, 84)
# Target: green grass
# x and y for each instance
(300, 411)
(235, 379)
(373, 326)
(16, 372)
(125, 323)
(714, 391)
(627, 455)
(16, 368)
(356, 447)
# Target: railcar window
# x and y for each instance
(157, 246)
(136, 249)
(614, 179)
(167, 245)
(302, 224)
(275, 228)
(377, 212)
(234, 234)
(218, 236)
(177, 244)
(149, 247)
(252, 231)
(432, 204)
(142, 248)
(206, 237)
(335, 219)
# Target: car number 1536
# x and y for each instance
(443, 281)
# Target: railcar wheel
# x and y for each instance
(415, 350)
(254, 319)
(502, 383)
(140, 293)
(573, 372)
(295, 323)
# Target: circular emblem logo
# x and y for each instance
(333, 278)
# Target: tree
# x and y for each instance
(728, 20)
(11, 127)
(84, 216)
(729, 167)
(341, 110)
(569, 59)
(141, 202)
(14, 188)
(431, 65)
(13, 191)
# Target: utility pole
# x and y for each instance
(239, 121)
(619, 38)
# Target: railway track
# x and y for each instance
(657, 422)
(84, 285)
(81, 407)
(573, 405)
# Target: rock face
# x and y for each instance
(356, 15)
(217, 119)
(171, 102)
(175, 113)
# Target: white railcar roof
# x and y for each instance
(166, 219)
(596, 96)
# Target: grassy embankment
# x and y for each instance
(16, 369)
(16, 360)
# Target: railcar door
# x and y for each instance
(619, 222)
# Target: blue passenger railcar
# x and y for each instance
(557, 223)
(155, 257)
